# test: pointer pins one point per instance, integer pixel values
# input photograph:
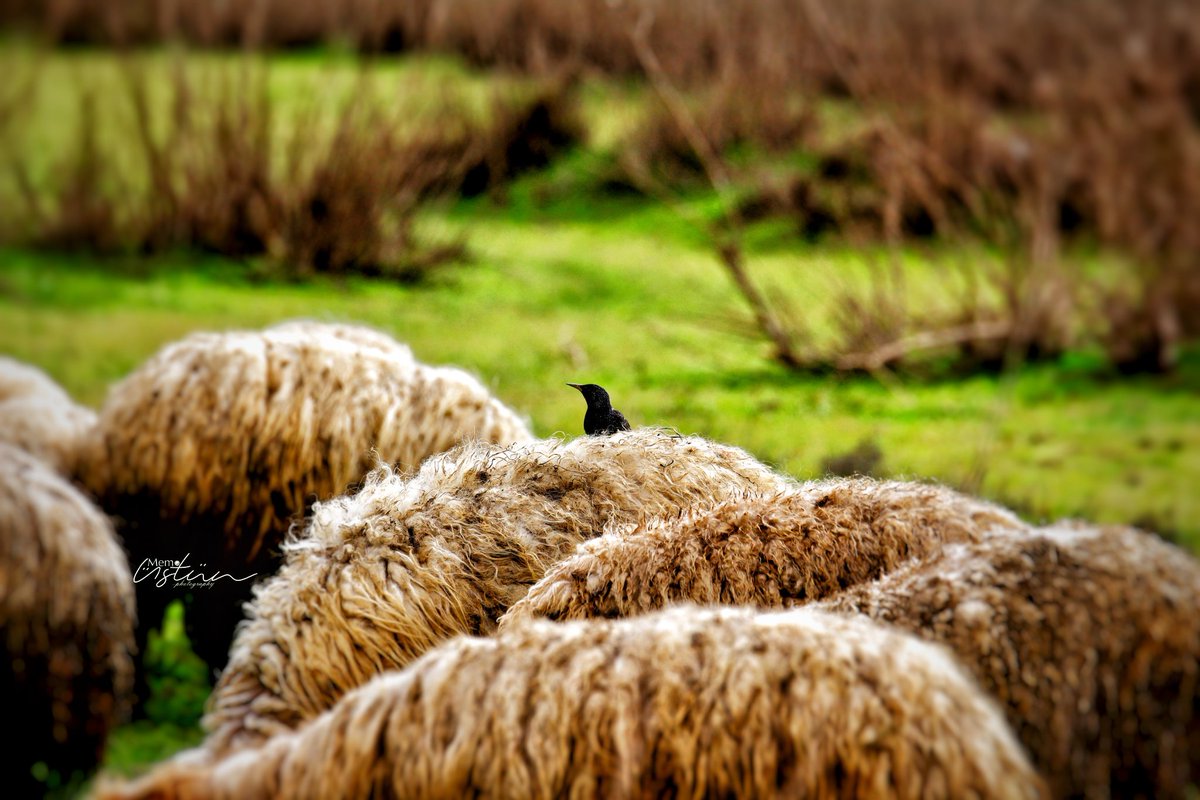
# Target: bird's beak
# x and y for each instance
(578, 386)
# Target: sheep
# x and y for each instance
(686, 702)
(1088, 636)
(381, 576)
(37, 416)
(209, 451)
(18, 379)
(766, 551)
(67, 615)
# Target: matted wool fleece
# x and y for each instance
(39, 417)
(246, 426)
(1088, 636)
(217, 444)
(381, 576)
(683, 703)
(766, 551)
(67, 616)
(18, 379)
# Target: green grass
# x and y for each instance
(566, 286)
(630, 302)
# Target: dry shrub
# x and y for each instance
(67, 612)
(522, 138)
(1089, 638)
(1013, 127)
(80, 211)
(658, 153)
(1058, 120)
(1011, 58)
(220, 441)
(1141, 192)
(687, 702)
(940, 171)
(342, 203)
(37, 416)
(865, 459)
(767, 551)
(347, 216)
(383, 575)
(1077, 163)
(1129, 181)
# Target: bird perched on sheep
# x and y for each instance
(209, 451)
(600, 419)
(383, 575)
(67, 615)
(1088, 636)
(37, 416)
(765, 551)
(687, 703)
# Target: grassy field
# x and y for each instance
(628, 302)
(565, 286)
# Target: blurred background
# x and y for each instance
(938, 239)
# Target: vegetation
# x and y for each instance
(570, 277)
(652, 318)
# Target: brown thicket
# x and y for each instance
(341, 202)
(1028, 126)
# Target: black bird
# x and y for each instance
(601, 418)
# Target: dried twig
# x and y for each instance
(729, 249)
(893, 351)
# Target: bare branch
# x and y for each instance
(926, 340)
(729, 250)
(731, 257)
(714, 168)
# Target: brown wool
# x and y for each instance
(381, 576)
(766, 551)
(217, 444)
(686, 702)
(40, 418)
(1088, 636)
(67, 616)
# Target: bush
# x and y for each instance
(179, 680)
(343, 203)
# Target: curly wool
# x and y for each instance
(1088, 636)
(219, 442)
(687, 702)
(386, 574)
(37, 416)
(18, 379)
(245, 427)
(765, 551)
(67, 615)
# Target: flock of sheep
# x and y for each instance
(444, 605)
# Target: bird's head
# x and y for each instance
(595, 395)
